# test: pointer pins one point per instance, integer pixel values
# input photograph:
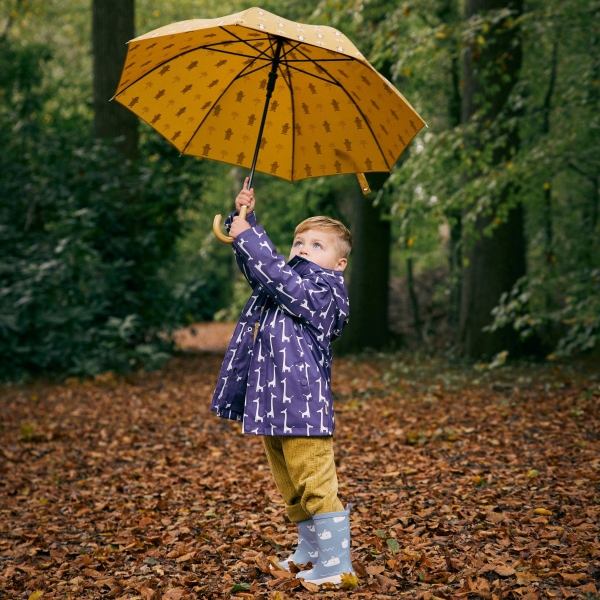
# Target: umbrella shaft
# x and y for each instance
(270, 89)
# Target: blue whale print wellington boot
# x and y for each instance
(306, 550)
(333, 544)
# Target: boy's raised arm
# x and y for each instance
(251, 218)
(313, 301)
(244, 198)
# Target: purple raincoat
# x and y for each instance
(279, 384)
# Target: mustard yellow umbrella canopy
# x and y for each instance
(208, 85)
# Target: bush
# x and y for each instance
(88, 240)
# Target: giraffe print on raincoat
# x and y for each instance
(279, 383)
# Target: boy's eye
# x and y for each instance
(298, 243)
(317, 245)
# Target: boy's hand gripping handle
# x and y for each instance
(226, 239)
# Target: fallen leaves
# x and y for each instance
(131, 488)
(307, 585)
(349, 581)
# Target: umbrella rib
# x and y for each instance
(235, 54)
(237, 37)
(289, 84)
(234, 79)
(363, 116)
(240, 75)
(208, 46)
(313, 75)
(314, 60)
(212, 47)
(308, 59)
(237, 40)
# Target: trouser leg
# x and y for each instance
(291, 495)
(310, 463)
(304, 472)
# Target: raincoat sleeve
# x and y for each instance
(251, 218)
(311, 299)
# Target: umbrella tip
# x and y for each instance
(362, 180)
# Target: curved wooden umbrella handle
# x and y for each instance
(226, 239)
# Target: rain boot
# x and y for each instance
(333, 545)
(306, 551)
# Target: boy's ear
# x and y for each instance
(342, 264)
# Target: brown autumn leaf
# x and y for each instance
(297, 568)
(573, 578)
(147, 593)
(385, 582)
(174, 594)
(504, 570)
(466, 588)
(311, 587)
(262, 563)
(375, 570)
(186, 557)
(274, 562)
(525, 578)
(282, 574)
(360, 568)
(500, 569)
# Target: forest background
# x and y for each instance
(488, 224)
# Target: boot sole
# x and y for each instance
(335, 579)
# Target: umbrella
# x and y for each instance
(262, 92)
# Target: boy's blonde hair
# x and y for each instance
(345, 239)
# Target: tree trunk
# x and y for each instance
(112, 28)
(369, 274)
(548, 218)
(454, 216)
(412, 293)
(494, 263)
(494, 266)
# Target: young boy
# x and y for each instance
(277, 371)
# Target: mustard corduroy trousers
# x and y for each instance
(304, 472)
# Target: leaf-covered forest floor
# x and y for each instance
(464, 482)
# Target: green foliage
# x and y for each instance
(88, 240)
(568, 304)
(451, 175)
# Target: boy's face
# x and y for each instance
(320, 247)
